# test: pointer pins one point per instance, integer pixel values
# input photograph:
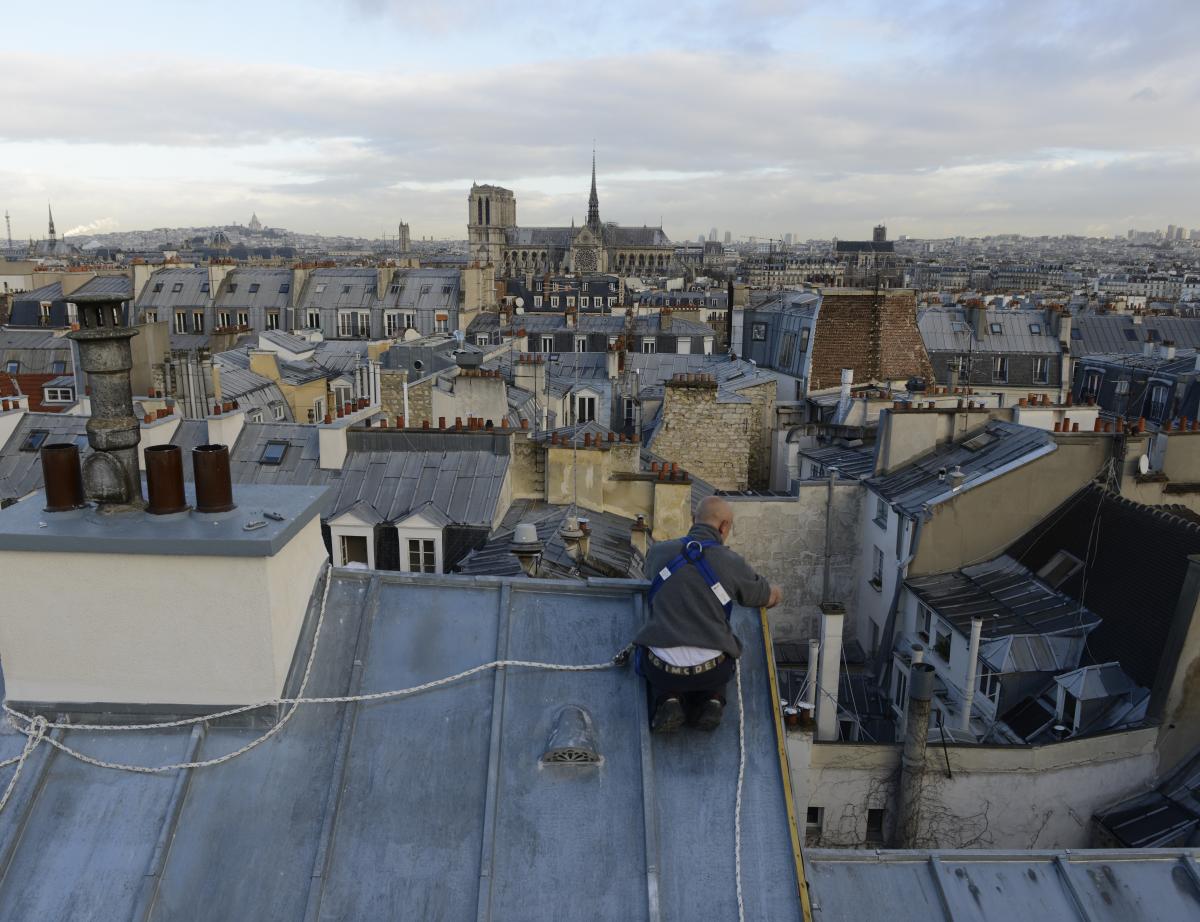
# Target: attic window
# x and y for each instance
(12, 367)
(178, 286)
(345, 289)
(995, 328)
(320, 288)
(957, 326)
(1035, 329)
(204, 286)
(254, 287)
(232, 287)
(1130, 335)
(980, 441)
(1077, 333)
(273, 453)
(158, 287)
(395, 289)
(285, 287)
(1061, 567)
(35, 439)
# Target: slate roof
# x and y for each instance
(917, 483)
(1167, 816)
(423, 290)
(243, 297)
(293, 372)
(1105, 333)
(1136, 570)
(36, 350)
(609, 552)
(1097, 681)
(395, 471)
(1007, 596)
(431, 806)
(982, 886)
(326, 288)
(947, 329)
(617, 236)
(296, 344)
(611, 324)
(190, 295)
(21, 471)
(119, 286)
(852, 463)
(539, 236)
(251, 390)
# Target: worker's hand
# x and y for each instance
(776, 597)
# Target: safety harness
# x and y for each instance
(693, 553)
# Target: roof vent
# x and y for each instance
(956, 477)
(527, 547)
(573, 739)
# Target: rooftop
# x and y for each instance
(433, 805)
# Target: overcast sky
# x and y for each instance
(758, 116)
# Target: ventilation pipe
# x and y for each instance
(809, 705)
(972, 667)
(63, 477)
(164, 479)
(826, 576)
(214, 486)
(527, 547)
(912, 762)
(833, 616)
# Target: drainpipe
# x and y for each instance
(972, 665)
(833, 616)
(825, 593)
(809, 704)
(912, 762)
(404, 379)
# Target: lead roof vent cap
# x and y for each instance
(573, 739)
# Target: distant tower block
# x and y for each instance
(880, 235)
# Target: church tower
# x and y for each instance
(51, 236)
(490, 210)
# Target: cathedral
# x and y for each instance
(595, 246)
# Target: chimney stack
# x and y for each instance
(110, 475)
(912, 762)
(833, 616)
(62, 477)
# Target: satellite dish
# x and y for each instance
(1144, 465)
(520, 302)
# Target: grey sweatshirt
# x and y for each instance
(686, 612)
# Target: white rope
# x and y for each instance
(36, 733)
(737, 804)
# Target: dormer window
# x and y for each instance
(177, 287)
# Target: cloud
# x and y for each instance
(759, 115)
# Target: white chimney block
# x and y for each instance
(833, 617)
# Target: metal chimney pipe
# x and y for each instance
(972, 667)
(164, 479)
(214, 486)
(63, 477)
(912, 762)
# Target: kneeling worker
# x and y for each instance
(687, 650)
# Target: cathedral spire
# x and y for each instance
(52, 236)
(593, 217)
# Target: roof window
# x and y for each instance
(12, 367)
(995, 328)
(232, 287)
(158, 287)
(273, 453)
(1130, 334)
(254, 286)
(978, 442)
(204, 286)
(177, 287)
(1035, 329)
(1076, 333)
(1059, 568)
(285, 287)
(35, 439)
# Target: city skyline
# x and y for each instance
(938, 120)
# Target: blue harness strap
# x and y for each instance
(693, 553)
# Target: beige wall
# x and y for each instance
(981, 522)
(1018, 797)
(470, 395)
(151, 629)
(300, 397)
(784, 540)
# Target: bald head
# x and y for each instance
(716, 512)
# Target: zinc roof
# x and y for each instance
(431, 806)
(947, 329)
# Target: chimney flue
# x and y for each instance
(63, 477)
(214, 486)
(164, 479)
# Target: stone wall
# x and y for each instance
(420, 398)
(723, 443)
(784, 540)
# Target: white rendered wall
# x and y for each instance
(148, 629)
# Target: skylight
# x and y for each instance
(980, 441)
(1131, 335)
(1058, 569)
(273, 453)
(35, 439)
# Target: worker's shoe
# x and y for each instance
(668, 716)
(708, 715)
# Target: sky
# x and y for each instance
(760, 117)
